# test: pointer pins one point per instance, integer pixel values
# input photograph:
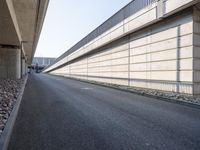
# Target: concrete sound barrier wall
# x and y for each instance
(163, 56)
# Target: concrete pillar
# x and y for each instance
(23, 67)
(10, 63)
(26, 69)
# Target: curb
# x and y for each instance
(6, 134)
(185, 103)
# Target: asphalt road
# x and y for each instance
(64, 114)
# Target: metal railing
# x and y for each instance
(127, 11)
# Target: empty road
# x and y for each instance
(63, 114)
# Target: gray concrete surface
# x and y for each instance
(64, 114)
(155, 48)
(21, 23)
(10, 63)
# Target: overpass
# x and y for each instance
(151, 44)
(43, 61)
(20, 26)
(39, 63)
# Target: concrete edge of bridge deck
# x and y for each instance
(186, 103)
(6, 134)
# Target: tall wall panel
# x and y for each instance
(163, 56)
(196, 42)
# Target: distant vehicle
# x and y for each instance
(29, 70)
(37, 68)
(37, 71)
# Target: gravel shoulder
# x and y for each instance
(9, 92)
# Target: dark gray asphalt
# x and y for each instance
(63, 114)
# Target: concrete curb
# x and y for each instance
(185, 103)
(6, 134)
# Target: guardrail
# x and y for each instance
(127, 11)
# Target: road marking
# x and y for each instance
(86, 88)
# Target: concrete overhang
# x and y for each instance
(21, 23)
(9, 30)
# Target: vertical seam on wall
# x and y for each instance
(193, 50)
(150, 53)
(87, 65)
(69, 70)
(146, 57)
(178, 60)
(111, 64)
(195, 10)
(129, 51)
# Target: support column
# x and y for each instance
(10, 63)
(23, 67)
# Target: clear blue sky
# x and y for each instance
(68, 21)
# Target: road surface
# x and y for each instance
(63, 114)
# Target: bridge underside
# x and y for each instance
(20, 25)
